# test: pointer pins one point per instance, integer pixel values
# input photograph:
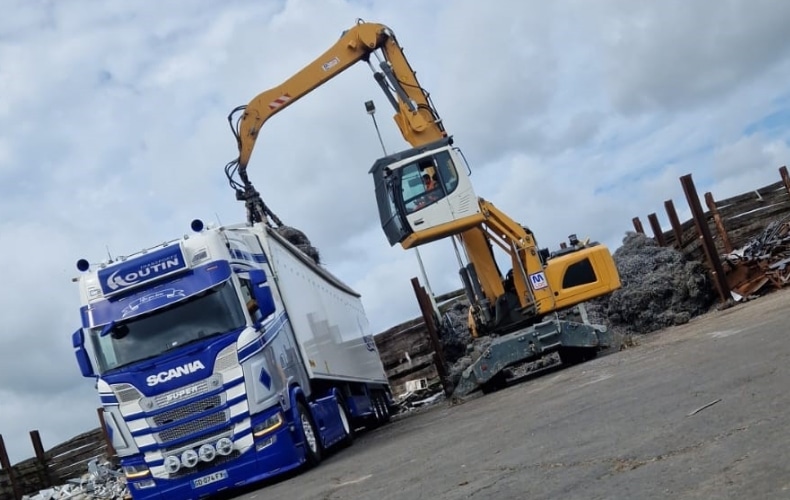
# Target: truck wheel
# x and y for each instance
(377, 416)
(312, 442)
(345, 420)
(385, 409)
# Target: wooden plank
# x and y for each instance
(79, 454)
(415, 346)
(76, 469)
(749, 195)
(31, 476)
(84, 439)
(416, 363)
(749, 206)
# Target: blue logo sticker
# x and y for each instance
(143, 269)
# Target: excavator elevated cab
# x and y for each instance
(424, 194)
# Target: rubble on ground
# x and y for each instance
(763, 263)
(413, 401)
(660, 288)
(101, 482)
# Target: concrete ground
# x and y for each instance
(631, 425)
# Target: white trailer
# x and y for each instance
(223, 358)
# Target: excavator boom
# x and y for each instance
(414, 114)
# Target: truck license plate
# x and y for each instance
(210, 478)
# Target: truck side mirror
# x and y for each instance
(78, 341)
(262, 293)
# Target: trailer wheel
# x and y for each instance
(385, 409)
(345, 420)
(374, 403)
(312, 442)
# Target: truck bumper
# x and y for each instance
(279, 456)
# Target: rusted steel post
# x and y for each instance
(656, 227)
(675, 223)
(703, 230)
(427, 316)
(38, 448)
(725, 238)
(785, 178)
(6, 465)
(105, 433)
(638, 225)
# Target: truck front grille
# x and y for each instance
(188, 410)
(192, 427)
(126, 393)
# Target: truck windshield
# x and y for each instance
(211, 312)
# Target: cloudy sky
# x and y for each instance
(575, 115)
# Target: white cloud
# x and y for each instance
(575, 117)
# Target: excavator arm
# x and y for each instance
(415, 116)
(424, 194)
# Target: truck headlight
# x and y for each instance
(189, 458)
(172, 464)
(207, 452)
(135, 471)
(268, 425)
(224, 447)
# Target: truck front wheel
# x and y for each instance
(348, 427)
(312, 442)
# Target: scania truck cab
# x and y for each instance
(225, 357)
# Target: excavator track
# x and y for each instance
(530, 344)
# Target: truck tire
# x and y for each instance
(310, 438)
(348, 427)
(375, 419)
(385, 409)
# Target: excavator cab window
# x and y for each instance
(402, 189)
(427, 181)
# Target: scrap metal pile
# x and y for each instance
(660, 288)
(761, 264)
(101, 482)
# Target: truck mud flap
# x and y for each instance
(529, 344)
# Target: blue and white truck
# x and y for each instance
(223, 358)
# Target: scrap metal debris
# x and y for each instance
(660, 288)
(762, 263)
(300, 240)
(101, 482)
(708, 405)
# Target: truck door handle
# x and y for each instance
(418, 222)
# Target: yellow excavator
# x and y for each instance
(424, 194)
